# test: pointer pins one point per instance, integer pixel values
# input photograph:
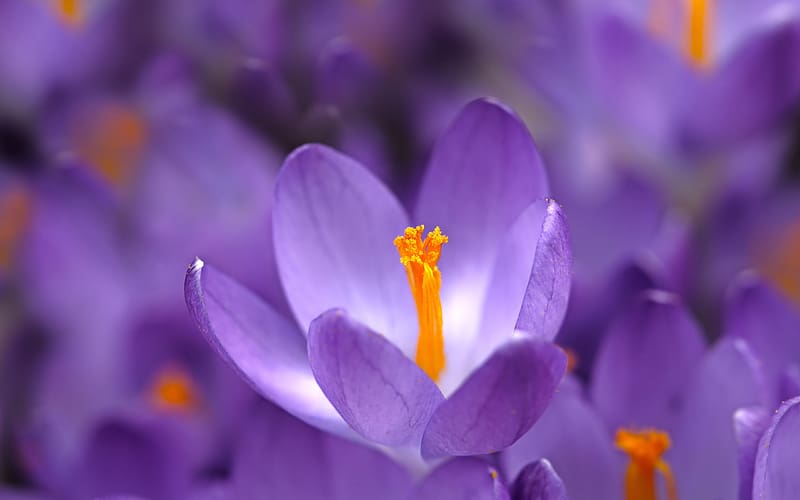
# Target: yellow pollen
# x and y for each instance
(111, 141)
(698, 30)
(173, 390)
(71, 11)
(645, 449)
(420, 258)
(14, 214)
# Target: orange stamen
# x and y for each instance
(112, 142)
(71, 11)
(698, 29)
(782, 265)
(645, 449)
(174, 390)
(14, 214)
(420, 259)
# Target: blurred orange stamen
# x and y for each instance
(645, 449)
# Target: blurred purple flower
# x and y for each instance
(506, 266)
(653, 372)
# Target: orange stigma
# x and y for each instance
(71, 11)
(645, 449)
(173, 390)
(111, 141)
(14, 214)
(420, 258)
(698, 30)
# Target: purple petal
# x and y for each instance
(789, 385)
(768, 322)
(539, 481)
(462, 478)
(642, 80)
(264, 347)
(729, 378)
(531, 279)
(137, 458)
(778, 455)
(642, 369)
(499, 401)
(756, 85)
(483, 173)
(749, 425)
(382, 394)
(186, 208)
(335, 224)
(548, 288)
(572, 436)
(281, 457)
(72, 230)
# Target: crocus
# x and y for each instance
(345, 362)
(660, 410)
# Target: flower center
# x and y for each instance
(173, 390)
(112, 141)
(70, 11)
(645, 449)
(420, 258)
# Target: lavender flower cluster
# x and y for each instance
(400, 249)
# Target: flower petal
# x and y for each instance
(778, 455)
(757, 84)
(280, 457)
(382, 394)
(538, 480)
(749, 425)
(642, 369)
(264, 347)
(483, 173)
(642, 81)
(572, 436)
(335, 223)
(532, 277)
(137, 457)
(499, 401)
(462, 478)
(768, 322)
(729, 378)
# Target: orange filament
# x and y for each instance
(70, 11)
(572, 359)
(112, 141)
(782, 266)
(173, 390)
(698, 27)
(645, 449)
(420, 258)
(14, 213)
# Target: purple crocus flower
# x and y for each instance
(658, 395)
(276, 456)
(120, 338)
(477, 386)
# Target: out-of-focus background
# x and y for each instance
(136, 134)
